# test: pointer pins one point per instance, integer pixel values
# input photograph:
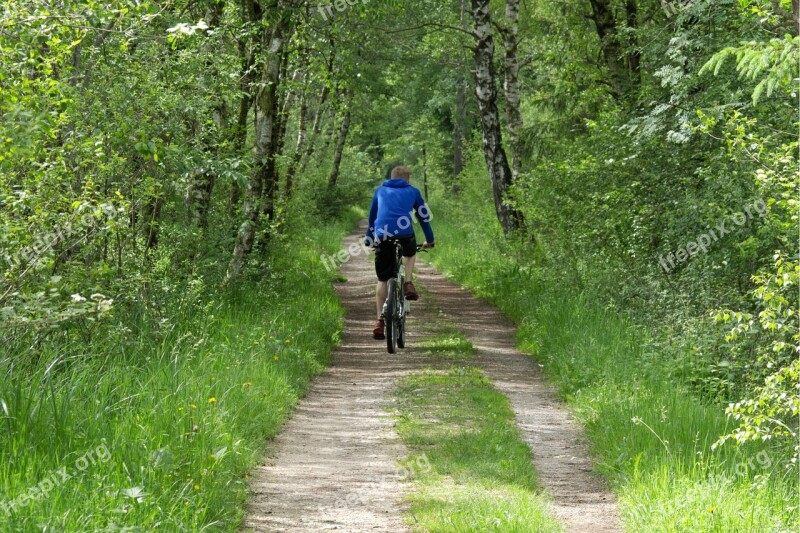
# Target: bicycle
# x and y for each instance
(397, 307)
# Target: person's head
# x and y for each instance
(401, 172)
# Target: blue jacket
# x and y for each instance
(390, 212)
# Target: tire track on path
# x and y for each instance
(339, 442)
(581, 500)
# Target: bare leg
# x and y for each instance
(380, 296)
(409, 263)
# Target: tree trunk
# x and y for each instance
(82, 74)
(266, 109)
(496, 161)
(329, 130)
(239, 138)
(511, 84)
(246, 79)
(606, 28)
(284, 102)
(198, 197)
(459, 127)
(316, 129)
(152, 219)
(793, 17)
(201, 186)
(344, 129)
(796, 14)
(633, 55)
(460, 119)
(425, 171)
(276, 139)
(302, 122)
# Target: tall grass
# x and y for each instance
(651, 436)
(158, 423)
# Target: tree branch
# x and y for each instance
(426, 25)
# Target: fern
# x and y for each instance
(773, 63)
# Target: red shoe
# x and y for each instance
(411, 292)
(377, 333)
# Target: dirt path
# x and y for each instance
(334, 465)
(580, 499)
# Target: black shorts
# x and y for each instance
(385, 264)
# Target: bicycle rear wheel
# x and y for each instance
(402, 309)
(391, 316)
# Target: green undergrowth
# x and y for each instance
(443, 339)
(477, 473)
(154, 426)
(449, 344)
(652, 438)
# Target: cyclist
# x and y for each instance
(390, 219)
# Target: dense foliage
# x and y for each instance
(660, 173)
(166, 167)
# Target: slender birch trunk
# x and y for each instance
(511, 84)
(486, 93)
(344, 129)
(266, 109)
(606, 27)
(302, 124)
(201, 186)
(460, 118)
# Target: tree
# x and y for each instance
(486, 94)
(510, 31)
(460, 118)
(202, 179)
(269, 56)
(623, 67)
(341, 139)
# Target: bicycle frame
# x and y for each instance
(396, 307)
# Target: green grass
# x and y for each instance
(448, 343)
(651, 436)
(173, 413)
(443, 338)
(479, 475)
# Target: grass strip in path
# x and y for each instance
(448, 344)
(478, 475)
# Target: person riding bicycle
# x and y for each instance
(390, 220)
